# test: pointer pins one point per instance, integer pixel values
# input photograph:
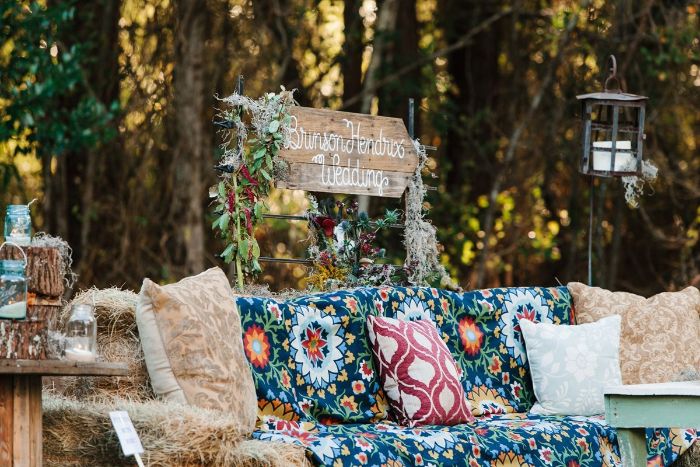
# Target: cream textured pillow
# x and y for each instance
(572, 365)
(190, 332)
(660, 334)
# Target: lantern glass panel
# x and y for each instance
(614, 124)
(13, 289)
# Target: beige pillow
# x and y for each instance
(191, 337)
(660, 334)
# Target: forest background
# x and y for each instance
(106, 112)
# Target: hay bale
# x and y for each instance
(115, 309)
(117, 341)
(253, 453)
(135, 386)
(81, 434)
(690, 458)
(77, 428)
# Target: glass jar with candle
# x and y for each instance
(18, 224)
(81, 334)
(13, 289)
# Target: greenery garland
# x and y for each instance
(343, 253)
(240, 195)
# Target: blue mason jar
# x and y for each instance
(18, 224)
(13, 289)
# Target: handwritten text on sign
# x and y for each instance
(342, 152)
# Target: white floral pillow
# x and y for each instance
(572, 365)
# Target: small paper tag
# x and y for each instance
(128, 438)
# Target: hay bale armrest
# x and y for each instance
(81, 434)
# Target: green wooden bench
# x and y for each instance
(632, 408)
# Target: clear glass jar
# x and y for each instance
(81, 334)
(18, 224)
(13, 289)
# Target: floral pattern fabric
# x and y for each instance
(317, 383)
(313, 357)
(499, 440)
(481, 329)
(313, 352)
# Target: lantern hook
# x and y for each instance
(613, 74)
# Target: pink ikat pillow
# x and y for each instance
(418, 373)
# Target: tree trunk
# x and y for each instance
(510, 152)
(351, 64)
(23, 339)
(476, 77)
(71, 202)
(402, 49)
(385, 25)
(192, 147)
(104, 79)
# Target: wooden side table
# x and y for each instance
(632, 408)
(20, 403)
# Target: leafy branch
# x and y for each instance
(240, 195)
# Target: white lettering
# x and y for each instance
(351, 175)
(330, 142)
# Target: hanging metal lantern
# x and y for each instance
(613, 130)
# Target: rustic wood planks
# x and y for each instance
(342, 152)
(28, 338)
(43, 269)
(7, 398)
(62, 368)
(20, 403)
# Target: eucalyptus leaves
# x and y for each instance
(240, 195)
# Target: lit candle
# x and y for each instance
(624, 161)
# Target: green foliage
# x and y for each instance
(47, 105)
(240, 201)
(344, 252)
(470, 100)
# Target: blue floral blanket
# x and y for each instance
(317, 385)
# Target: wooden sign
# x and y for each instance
(342, 152)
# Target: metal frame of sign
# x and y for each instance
(376, 145)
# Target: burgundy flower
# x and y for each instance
(325, 259)
(231, 201)
(327, 224)
(246, 174)
(249, 193)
